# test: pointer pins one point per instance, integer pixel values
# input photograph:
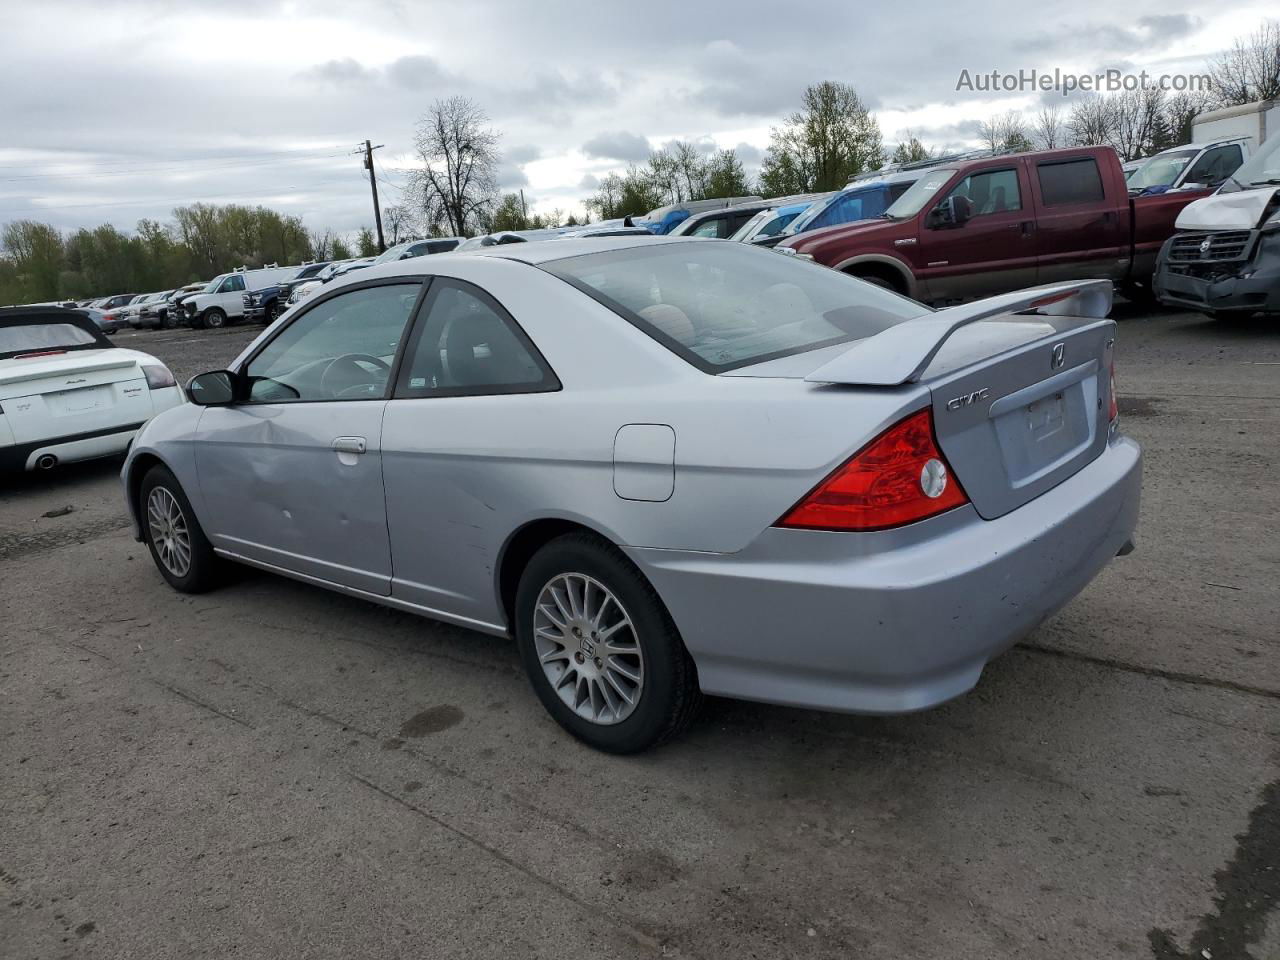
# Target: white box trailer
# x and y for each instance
(1256, 121)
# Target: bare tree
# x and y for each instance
(1005, 132)
(1092, 122)
(396, 220)
(1048, 128)
(457, 183)
(1250, 70)
(1137, 116)
(321, 243)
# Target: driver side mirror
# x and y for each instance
(954, 211)
(214, 389)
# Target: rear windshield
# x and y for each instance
(721, 305)
(31, 338)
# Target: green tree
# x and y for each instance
(725, 176)
(911, 150)
(832, 137)
(36, 252)
(509, 214)
(339, 250)
(366, 245)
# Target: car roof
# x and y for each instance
(566, 247)
(737, 208)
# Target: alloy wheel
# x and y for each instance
(588, 648)
(169, 534)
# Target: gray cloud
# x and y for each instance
(589, 182)
(617, 145)
(416, 73)
(343, 73)
(152, 132)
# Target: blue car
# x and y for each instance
(662, 220)
(771, 222)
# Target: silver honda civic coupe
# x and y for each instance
(667, 467)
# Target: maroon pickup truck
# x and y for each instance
(987, 226)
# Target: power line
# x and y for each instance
(135, 203)
(260, 155)
(172, 167)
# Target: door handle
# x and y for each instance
(1028, 227)
(349, 445)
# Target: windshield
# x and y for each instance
(1262, 168)
(391, 253)
(747, 229)
(1162, 170)
(726, 305)
(36, 337)
(212, 285)
(918, 194)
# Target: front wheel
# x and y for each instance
(215, 318)
(181, 552)
(169, 321)
(600, 648)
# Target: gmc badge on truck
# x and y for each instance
(967, 399)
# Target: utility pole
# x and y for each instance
(373, 185)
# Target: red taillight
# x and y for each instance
(898, 478)
(39, 353)
(1115, 406)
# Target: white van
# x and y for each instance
(222, 299)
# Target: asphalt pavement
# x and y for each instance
(271, 770)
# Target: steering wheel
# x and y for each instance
(350, 360)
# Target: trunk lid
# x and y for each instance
(1017, 424)
(69, 394)
(1018, 385)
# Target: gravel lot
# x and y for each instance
(272, 770)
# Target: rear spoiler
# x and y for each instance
(22, 374)
(901, 353)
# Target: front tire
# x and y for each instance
(181, 551)
(170, 321)
(214, 318)
(600, 648)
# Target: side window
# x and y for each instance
(340, 349)
(1075, 181)
(466, 344)
(708, 228)
(990, 191)
(844, 210)
(231, 285)
(1216, 165)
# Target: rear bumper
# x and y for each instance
(874, 623)
(91, 446)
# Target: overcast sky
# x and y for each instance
(116, 111)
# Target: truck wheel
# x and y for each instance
(170, 321)
(880, 279)
(273, 311)
(215, 318)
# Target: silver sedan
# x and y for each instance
(667, 468)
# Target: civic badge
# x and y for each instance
(1059, 356)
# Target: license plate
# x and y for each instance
(78, 401)
(1046, 417)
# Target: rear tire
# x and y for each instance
(583, 678)
(181, 551)
(214, 318)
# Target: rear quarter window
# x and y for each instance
(721, 305)
(1072, 181)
